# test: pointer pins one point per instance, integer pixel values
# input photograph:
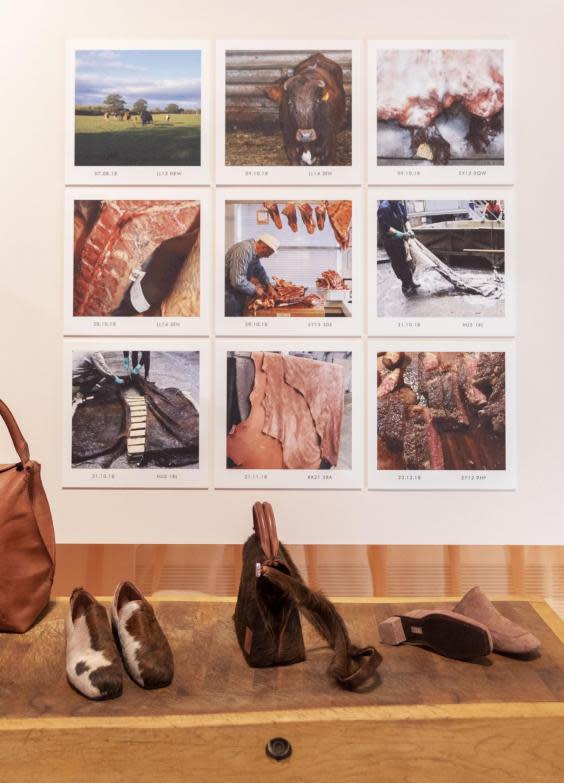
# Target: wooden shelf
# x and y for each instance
(430, 718)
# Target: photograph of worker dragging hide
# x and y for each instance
(442, 412)
(289, 416)
(287, 263)
(438, 265)
(133, 415)
(287, 109)
(134, 266)
(439, 108)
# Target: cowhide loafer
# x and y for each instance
(448, 633)
(92, 660)
(508, 637)
(145, 649)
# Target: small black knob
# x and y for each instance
(278, 749)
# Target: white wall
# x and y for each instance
(31, 213)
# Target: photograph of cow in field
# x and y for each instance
(440, 107)
(288, 108)
(146, 118)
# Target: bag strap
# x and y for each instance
(265, 528)
(352, 666)
(18, 439)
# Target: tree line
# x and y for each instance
(115, 104)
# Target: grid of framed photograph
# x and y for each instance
(356, 285)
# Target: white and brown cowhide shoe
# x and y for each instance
(93, 665)
(145, 649)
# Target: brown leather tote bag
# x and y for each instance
(271, 595)
(27, 538)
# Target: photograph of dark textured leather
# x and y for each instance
(289, 410)
(473, 629)
(94, 646)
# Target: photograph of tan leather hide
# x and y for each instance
(289, 410)
(136, 258)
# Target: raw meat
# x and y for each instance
(307, 216)
(272, 209)
(320, 212)
(291, 215)
(331, 279)
(340, 216)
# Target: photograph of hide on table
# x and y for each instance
(438, 108)
(135, 112)
(287, 264)
(134, 265)
(438, 263)
(290, 417)
(133, 414)
(442, 413)
(286, 108)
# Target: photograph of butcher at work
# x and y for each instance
(288, 259)
(440, 107)
(289, 410)
(136, 258)
(135, 409)
(137, 107)
(441, 411)
(441, 258)
(288, 108)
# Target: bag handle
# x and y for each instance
(352, 666)
(265, 528)
(18, 439)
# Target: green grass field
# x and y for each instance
(100, 142)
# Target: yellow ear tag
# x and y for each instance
(325, 96)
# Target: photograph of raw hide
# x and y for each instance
(441, 258)
(288, 108)
(441, 411)
(136, 258)
(135, 409)
(289, 410)
(308, 274)
(440, 107)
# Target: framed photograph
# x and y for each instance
(288, 414)
(439, 112)
(137, 112)
(137, 262)
(441, 415)
(441, 262)
(288, 113)
(288, 261)
(136, 413)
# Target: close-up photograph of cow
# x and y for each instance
(440, 107)
(288, 108)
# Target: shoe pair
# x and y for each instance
(92, 658)
(474, 628)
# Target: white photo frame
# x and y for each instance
(314, 326)
(139, 477)
(287, 174)
(445, 479)
(336, 478)
(417, 172)
(166, 174)
(411, 324)
(131, 325)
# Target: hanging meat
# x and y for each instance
(320, 212)
(340, 216)
(291, 215)
(272, 209)
(331, 279)
(307, 216)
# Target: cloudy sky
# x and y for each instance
(160, 77)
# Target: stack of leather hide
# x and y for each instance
(292, 417)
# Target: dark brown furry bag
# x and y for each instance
(267, 615)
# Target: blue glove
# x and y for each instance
(401, 235)
(137, 369)
(119, 381)
(126, 363)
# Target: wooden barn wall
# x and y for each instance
(247, 73)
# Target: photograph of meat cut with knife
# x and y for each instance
(442, 412)
(133, 263)
(286, 260)
(440, 262)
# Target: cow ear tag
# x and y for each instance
(325, 96)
